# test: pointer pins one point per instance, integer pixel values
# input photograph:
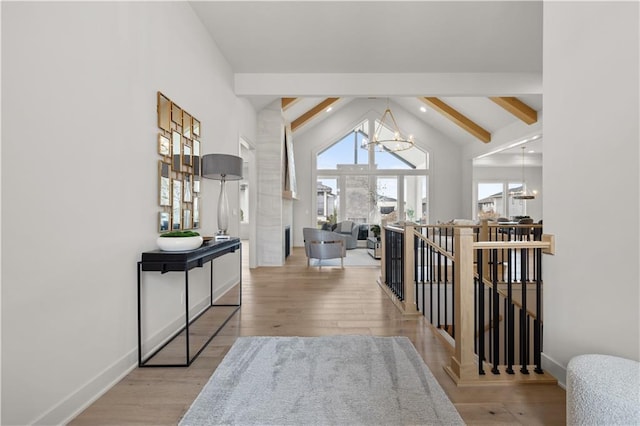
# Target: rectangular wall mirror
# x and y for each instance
(164, 112)
(186, 125)
(176, 150)
(176, 206)
(163, 221)
(164, 173)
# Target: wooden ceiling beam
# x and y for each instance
(287, 102)
(518, 108)
(458, 118)
(312, 113)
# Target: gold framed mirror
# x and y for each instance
(164, 112)
(186, 124)
(176, 150)
(196, 128)
(163, 221)
(187, 188)
(176, 114)
(196, 212)
(178, 167)
(186, 153)
(164, 145)
(196, 157)
(164, 179)
(187, 219)
(176, 205)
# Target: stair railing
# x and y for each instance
(479, 287)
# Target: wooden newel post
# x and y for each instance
(409, 282)
(463, 366)
(484, 230)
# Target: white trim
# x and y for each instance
(67, 409)
(556, 369)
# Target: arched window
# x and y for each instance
(366, 183)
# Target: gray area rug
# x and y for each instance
(336, 380)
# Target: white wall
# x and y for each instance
(79, 187)
(445, 174)
(591, 299)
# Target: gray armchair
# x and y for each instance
(319, 244)
(350, 230)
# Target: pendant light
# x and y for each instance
(387, 136)
(523, 194)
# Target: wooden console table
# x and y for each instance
(165, 261)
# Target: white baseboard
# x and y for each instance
(79, 400)
(556, 369)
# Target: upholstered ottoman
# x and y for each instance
(603, 390)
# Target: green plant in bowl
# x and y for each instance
(179, 241)
(180, 234)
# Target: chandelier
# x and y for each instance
(388, 136)
(523, 194)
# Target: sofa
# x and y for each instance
(350, 230)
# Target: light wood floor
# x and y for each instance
(298, 301)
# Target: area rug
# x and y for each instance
(335, 380)
(355, 257)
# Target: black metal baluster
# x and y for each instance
(453, 298)
(505, 330)
(439, 281)
(446, 290)
(402, 257)
(537, 330)
(475, 312)
(431, 276)
(524, 326)
(186, 315)
(392, 283)
(509, 312)
(424, 271)
(480, 316)
(496, 314)
(416, 265)
(398, 264)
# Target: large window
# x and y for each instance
(358, 182)
(348, 150)
(493, 204)
(327, 200)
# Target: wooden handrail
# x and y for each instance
(511, 245)
(433, 244)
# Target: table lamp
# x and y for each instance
(222, 167)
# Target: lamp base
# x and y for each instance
(222, 237)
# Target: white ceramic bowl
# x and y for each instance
(179, 243)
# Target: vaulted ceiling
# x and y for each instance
(307, 50)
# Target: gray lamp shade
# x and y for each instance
(221, 166)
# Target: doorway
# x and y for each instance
(248, 199)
